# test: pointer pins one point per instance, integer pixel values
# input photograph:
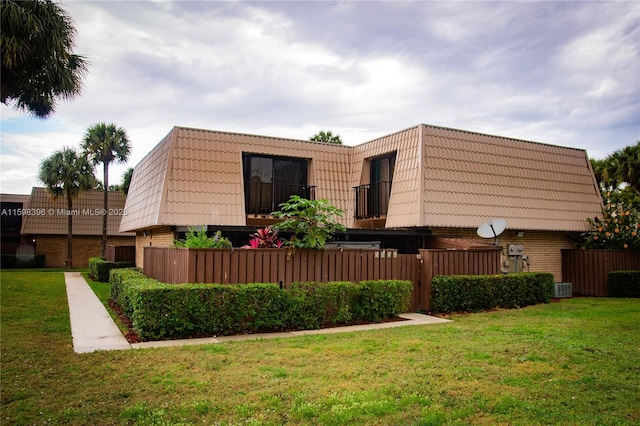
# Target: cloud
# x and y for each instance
(565, 73)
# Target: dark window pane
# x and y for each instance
(270, 181)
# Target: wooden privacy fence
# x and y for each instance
(120, 253)
(240, 266)
(588, 270)
(269, 265)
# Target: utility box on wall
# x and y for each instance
(515, 250)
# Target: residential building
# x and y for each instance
(46, 225)
(12, 208)
(402, 189)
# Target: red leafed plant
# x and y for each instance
(266, 237)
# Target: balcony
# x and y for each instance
(264, 198)
(372, 200)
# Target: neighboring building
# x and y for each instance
(401, 189)
(12, 207)
(46, 226)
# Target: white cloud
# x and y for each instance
(556, 72)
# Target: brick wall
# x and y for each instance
(158, 237)
(54, 247)
(542, 247)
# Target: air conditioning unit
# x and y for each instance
(561, 290)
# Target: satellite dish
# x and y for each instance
(492, 229)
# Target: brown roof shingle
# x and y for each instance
(470, 178)
(87, 217)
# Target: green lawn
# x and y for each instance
(573, 362)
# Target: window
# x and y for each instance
(372, 199)
(381, 179)
(270, 181)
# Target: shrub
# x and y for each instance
(313, 222)
(475, 293)
(11, 261)
(99, 268)
(266, 237)
(8, 261)
(327, 303)
(378, 300)
(467, 293)
(197, 238)
(119, 280)
(624, 283)
(159, 311)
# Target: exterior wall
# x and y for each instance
(158, 237)
(542, 247)
(54, 247)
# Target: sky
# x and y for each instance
(559, 72)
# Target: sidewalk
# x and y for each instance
(91, 325)
(93, 329)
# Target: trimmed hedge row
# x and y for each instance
(99, 268)
(473, 293)
(162, 311)
(12, 261)
(624, 283)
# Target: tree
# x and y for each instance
(36, 37)
(126, 181)
(105, 143)
(65, 173)
(313, 222)
(619, 227)
(619, 181)
(327, 137)
(622, 166)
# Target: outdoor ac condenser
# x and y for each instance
(561, 290)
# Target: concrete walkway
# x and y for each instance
(93, 329)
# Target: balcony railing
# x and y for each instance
(372, 200)
(265, 198)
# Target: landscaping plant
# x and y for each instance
(197, 238)
(266, 237)
(313, 222)
(619, 228)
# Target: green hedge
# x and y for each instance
(377, 300)
(624, 283)
(99, 268)
(473, 293)
(321, 304)
(161, 311)
(12, 261)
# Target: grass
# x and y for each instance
(572, 362)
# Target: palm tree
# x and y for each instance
(622, 166)
(65, 173)
(126, 181)
(36, 37)
(327, 137)
(105, 143)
